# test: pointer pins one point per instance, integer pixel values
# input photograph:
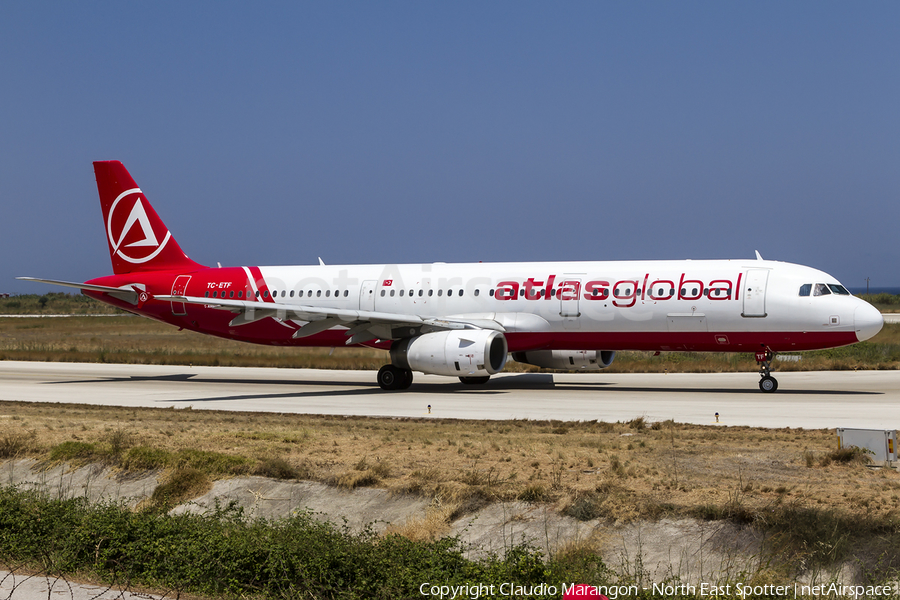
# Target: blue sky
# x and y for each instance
(273, 133)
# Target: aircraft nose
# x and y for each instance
(867, 321)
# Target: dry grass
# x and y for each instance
(613, 471)
(432, 525)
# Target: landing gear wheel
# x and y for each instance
(475, 380)
(390, 377)
(768, 384)
(406, 380)
(764, 359)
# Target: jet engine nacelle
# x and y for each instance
(567, 360)
(465, 353)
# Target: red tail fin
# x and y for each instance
(138, 239)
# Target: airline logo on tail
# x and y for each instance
(132, 237)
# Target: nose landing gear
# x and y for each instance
(764, 359)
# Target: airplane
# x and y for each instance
(465, 320)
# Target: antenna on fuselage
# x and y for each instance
(758, 255)
(321, 262)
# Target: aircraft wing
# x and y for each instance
(363, 325)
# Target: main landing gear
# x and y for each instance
(394, 378)
(764, 359)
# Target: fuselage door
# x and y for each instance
(569, 294)
(179, 288)
(755, 293)
(367, 295)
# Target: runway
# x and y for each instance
(868, 399)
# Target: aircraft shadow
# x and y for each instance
(748, 390)
(524, 381)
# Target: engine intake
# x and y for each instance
(567, 360)
(467, 353)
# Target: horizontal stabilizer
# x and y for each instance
(126, 293)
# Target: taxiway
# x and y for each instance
(868, 399)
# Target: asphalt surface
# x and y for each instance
(866, 399)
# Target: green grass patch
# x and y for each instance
(224, 555)
(146, 458)
(77, 453)
(213, 463)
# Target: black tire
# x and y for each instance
(768, 384)
(390, 377)
(475, 380)
(406, 379)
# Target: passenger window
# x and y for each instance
(821, 290)
(430, 292)
(392, 293)
(401, 293)
(460, 292)
(346, 292)
(292, 293)
(206, 295)
(421, 292)
(215, 294)
(440, 292)
(382, 293)
(476, 291)
(240, 294)
(231, 294)
(410, 293)
(309, 294)
(265, 294)
(491, 293)
(318, 293)
(805, 289)
(282, 293)
(328, 293)
(257, 293)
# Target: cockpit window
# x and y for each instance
(805, 289)
(821, 290)
(838, 289)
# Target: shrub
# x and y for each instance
(180, 485)
(849, 455)
(11, 445)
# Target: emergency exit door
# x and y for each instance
(755, 293)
